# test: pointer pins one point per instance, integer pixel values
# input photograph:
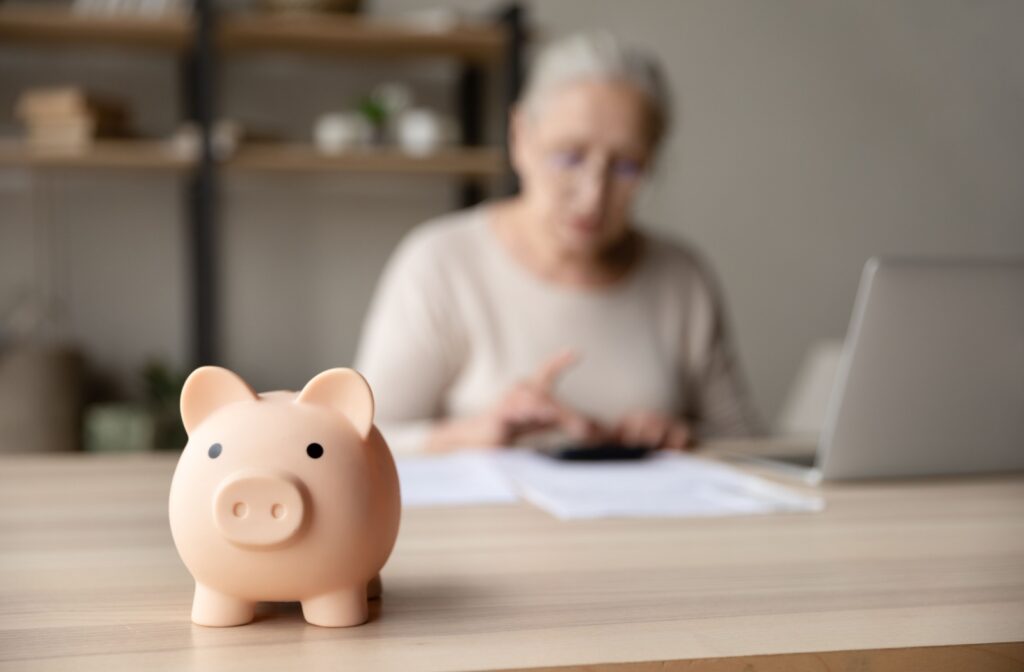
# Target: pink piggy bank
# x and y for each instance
(283, 496)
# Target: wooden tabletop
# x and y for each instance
(902, 575)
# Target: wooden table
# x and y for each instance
(924, 575)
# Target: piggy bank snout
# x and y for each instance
(258, 509)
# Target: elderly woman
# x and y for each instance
(551, 311)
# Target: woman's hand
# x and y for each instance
(654, 430)
(528, 406)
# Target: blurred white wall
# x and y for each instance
(812, 135)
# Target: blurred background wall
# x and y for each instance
(810, 136)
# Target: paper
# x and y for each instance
(462, 478)
(667, 484)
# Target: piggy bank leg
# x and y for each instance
(212, 608)
(339, 609)
(374, 588)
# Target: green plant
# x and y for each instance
(163, 392)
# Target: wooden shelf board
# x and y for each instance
(267, 157)
(63, 27)
(102, 154)
(358, 35)
(253, 32)
(466, 162)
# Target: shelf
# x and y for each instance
(63, 27)
(102, 154)
(358, 35)
(464, 162)
(323, 34)
(203, 38)
(291, 158)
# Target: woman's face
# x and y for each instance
(580, 156)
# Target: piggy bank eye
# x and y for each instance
(214, 451)
(314, 450)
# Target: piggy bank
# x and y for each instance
(283, 496)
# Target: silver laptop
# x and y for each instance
(931, 379)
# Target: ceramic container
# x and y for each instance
(283, 496)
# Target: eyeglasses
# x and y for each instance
(576, 164)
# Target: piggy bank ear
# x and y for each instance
(343, 391)
(209, 388)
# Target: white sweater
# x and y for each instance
(456, 321)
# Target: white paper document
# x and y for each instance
(462, 478)
(667, 485)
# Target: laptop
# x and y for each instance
(931, 377)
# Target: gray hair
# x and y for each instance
(599, 55)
